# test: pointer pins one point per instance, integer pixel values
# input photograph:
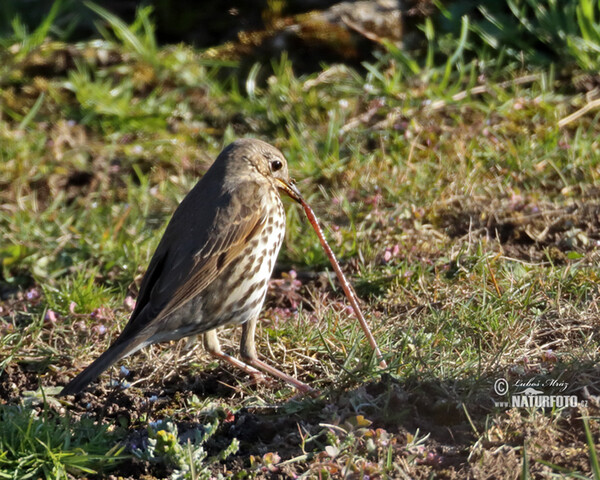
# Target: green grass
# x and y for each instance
(40, 445)
(464, 216)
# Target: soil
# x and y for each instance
(527, 230)
(466, 436)
(451, 448)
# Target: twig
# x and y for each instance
(483, 89)
(582, 111)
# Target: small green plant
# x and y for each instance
(353, 450)
(113, 104)
(595, 465)
(36, 445)
(188, 461)
(137, 38)
(529, 30)
(79, 293)
(28, 41)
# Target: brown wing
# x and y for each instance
(207, 231)
(234, 227)
(211, 226)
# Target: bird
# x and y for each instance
(213, 263)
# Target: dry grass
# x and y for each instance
(468, 224)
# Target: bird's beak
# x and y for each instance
(290, 188)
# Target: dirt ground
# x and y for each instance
(463, 434)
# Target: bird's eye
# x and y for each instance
(276, 165)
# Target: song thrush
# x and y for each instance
(213, 263)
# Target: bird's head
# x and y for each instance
(266, 160)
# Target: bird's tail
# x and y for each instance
(116, 352)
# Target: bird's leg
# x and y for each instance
(212, 346)
(248, 353)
